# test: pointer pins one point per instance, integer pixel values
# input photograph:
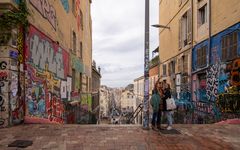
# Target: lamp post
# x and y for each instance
(146, 69)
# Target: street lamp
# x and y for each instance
(160, 26)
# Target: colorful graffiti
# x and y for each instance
(77, 64)
(46, 79)
(46, 10)
(16, 98)
(212, 82)
(65, 5)
(47, 55)
(3, 92)
(229, 87)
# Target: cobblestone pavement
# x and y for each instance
(109, 137)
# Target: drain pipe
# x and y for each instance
(210, 31)
(191, 53)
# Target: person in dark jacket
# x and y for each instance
(155, 101)
(168, 113)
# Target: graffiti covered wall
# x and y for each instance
(46, 10)
(219, 98)
(4, 77)
(46, 77)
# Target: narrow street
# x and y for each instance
(104, 137)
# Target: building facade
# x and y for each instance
(138, 91)
(96, 83)
(104, 102)
(47, 64)
(153, 71)
(199, 55)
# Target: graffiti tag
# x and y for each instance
(3, 65)
(46, 10)
(43, 54)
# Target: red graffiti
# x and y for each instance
(71, 118)
(79, 15)
(75, 94)
(55, 110)
(3, 75)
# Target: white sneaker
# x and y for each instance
(169, 128)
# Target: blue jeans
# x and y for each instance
(156, 118)
(169, 117)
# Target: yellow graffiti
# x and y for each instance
(51, 81)
(20, 46)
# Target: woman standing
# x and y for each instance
(155, 101)
(168, 113)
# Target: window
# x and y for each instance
(202, 15)
(74, 41)
(80, 81)
(230, 46)
(185, 29)
(164, 69)
(87, 84)
(81, 19)
(81, 50)
(202, 56)
(73, 79)
(171, 68)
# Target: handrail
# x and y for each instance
(135, 114)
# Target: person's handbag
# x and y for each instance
(171, 104)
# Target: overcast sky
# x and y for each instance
(118, 39)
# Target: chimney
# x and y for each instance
(99, 69)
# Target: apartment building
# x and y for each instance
(199, 54)
(47, 63)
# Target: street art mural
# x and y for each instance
(229, 88)
(85, 108)
(46, 10)
(221, 99)
(46, 77)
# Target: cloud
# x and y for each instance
(118, 39)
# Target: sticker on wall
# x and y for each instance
(178, 79)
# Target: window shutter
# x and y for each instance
(186, 63)
(179, 65)
(71, 40)
(189, 19)
(169, 69)
(180, 34)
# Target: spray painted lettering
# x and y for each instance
(3, 65)
(46, 10)
(45, 54)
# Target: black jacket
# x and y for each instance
(167, 94)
